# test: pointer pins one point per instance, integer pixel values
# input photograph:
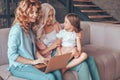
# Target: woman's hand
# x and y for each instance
(38, 61)
(57, 43)
(46, 60)
(51, 47)
(41, 60)
(63, 70)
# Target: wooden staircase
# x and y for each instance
(93, 12)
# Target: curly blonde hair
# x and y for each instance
(22, 11)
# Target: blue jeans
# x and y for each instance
(31, 73)
(92, 67)
(83, 71)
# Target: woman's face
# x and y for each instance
(50, 17)
(67, 25)
(33, 14)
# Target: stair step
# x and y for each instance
(79, 5)
(83, 0)
(113, 22)
(88, 11)
(100, 16)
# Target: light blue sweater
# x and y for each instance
(20, 44)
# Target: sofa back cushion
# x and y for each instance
(3, 45)
(85, 32)
(105, 34)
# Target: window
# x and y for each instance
(7, 8)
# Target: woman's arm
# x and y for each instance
(13, 46)
(51, 47)
(57, 27)
(40, 59)
(28, 61)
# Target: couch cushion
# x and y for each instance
(1, 78)
(5, 74)
(15, 78)
(3, 45)
(107, 61)
(70, 75)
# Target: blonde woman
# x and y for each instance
(46, 39)
(43, 29)
(48, 26)
(21, 45)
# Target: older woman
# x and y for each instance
(21, 45)
(46, 39)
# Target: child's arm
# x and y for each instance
(78, 41)
(77, 50)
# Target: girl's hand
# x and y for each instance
(64, 70)
(75, 53)
(55, 44)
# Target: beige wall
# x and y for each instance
(111, 6)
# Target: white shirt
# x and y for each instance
(50, 38)
(68, 38)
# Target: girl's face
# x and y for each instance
(67, 25)
(50, 17)
(33, 14)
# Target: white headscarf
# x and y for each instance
(45, 12)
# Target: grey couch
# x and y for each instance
(100, 40)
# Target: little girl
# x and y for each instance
(70, 38)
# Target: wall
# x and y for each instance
(111, 6)
(60, 9)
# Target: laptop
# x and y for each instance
(56, 62)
